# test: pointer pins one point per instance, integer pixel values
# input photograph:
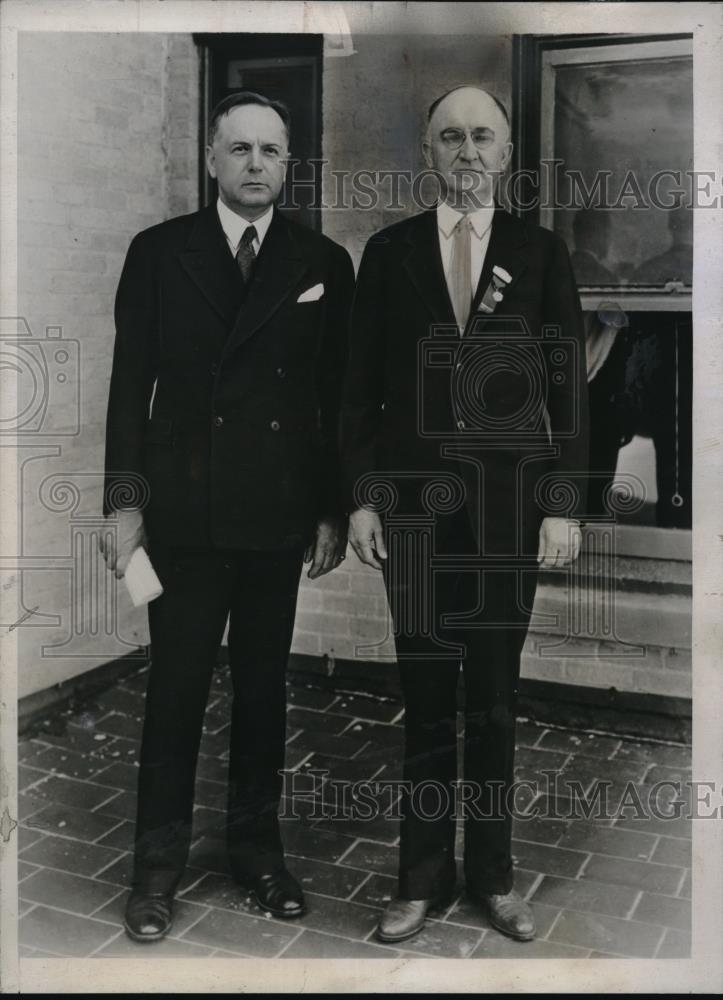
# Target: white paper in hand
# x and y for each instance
(141, 580)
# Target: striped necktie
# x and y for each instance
(245, 255)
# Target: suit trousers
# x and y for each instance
(256, 591)
(496, 605)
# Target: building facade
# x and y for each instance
(110, 141)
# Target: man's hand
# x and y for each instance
(130, 534)
(560, 540)
(367, 537)
(329, 548)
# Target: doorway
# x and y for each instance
(285, 68)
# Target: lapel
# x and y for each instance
(505, 249)
(278, 270)
(424, 261)
(208, 262)
(424, 266)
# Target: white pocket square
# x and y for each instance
(311, 294)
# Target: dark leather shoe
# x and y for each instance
(511, 915)
(277, 892)
(403, 918)
(148, 915)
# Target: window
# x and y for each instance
(603, 128)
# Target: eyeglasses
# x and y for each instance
(453, 138)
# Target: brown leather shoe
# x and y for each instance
(403, 918)
(510, 915)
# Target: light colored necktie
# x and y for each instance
(460, 271)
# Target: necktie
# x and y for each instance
(245, 255)
(460, 271)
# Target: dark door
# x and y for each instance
(281, 67)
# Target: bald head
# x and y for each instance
(467, 143)
(466, 101)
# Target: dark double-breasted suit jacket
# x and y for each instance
(224, 401)
(418, 395)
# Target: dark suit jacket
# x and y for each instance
(403, 405)
(240, 446)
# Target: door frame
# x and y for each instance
(258, 51)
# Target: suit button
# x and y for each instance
(218, 421)
(461, 425)
(214, 369)
(275, 425)
(281, 373)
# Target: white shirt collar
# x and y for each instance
(448, 217)
(234, 226)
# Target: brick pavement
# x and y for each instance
(618, 886)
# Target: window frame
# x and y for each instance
(529, 56)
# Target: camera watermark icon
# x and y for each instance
(41, 381)
(84, 619)
(411, 546)
(585, 608)
(497, 377)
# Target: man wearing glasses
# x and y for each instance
(466, 398)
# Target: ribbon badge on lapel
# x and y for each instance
(494, 292)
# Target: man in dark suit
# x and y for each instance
(464, 422)
(221, 455)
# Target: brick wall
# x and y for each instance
(107, 146)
